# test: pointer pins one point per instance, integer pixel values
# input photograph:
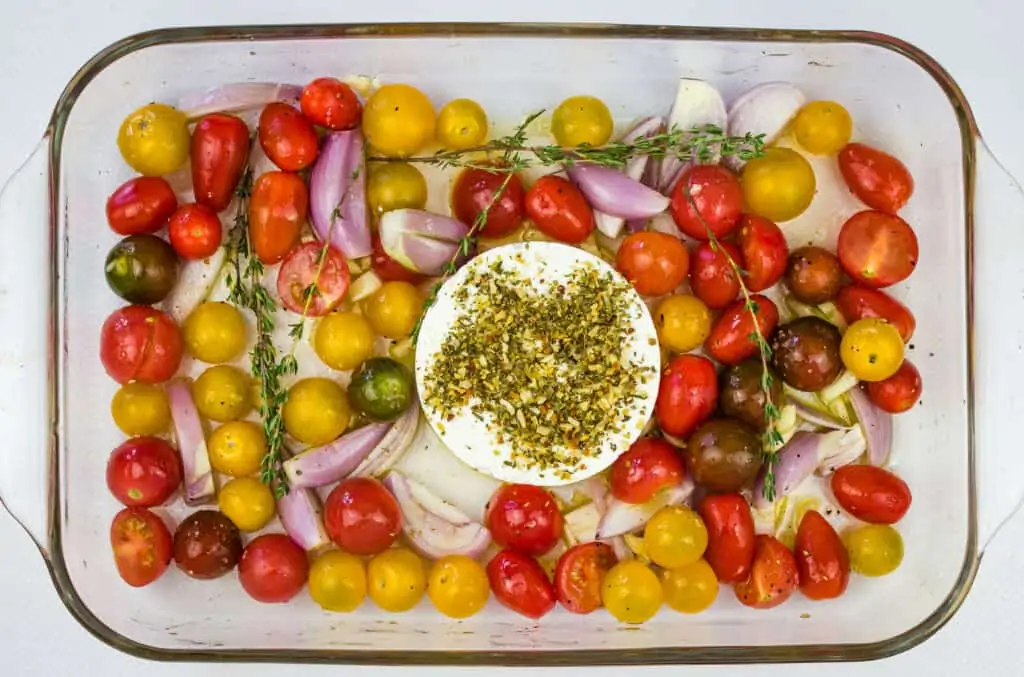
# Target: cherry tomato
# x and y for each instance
(687, 395)
(632, 592)
(823, 127)
(729, 341)
(764, 250)
(273, 569)
(881, 181)
(220, 150)
(525, 518)
(144, 471)
(813, 275)
(856, 302)
(194, 231)
(142, 546)
(778, 185)
(153, 140)
(821, 558)
(520, 584)
(872, 349)
(675, 537)
(683, 323)
(388, 269)
(207, 545)
(716, 193)
(579, 573)
(871, 494)
(877, 249)
(581, 120)
(875, 549)
(458, 586)
(140, 343)
(299, 271)
(331, 103)
(712, 279)
(558, 209)
(141, 205)
(474, 190)
(654, 263)
(648, 466)
(399, 120)
(899, 392)
(690, 589)
(773, 575)
(461, 124)
(277, 212)
(361, 516)
(287, 137)
(730, 526)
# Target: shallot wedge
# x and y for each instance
(392, 446)
(637, 167)
(237, 96)
(337, 194)
(625, 518)
(435, 528)
(876, 424)
(195, 458)
(302, 518)
(807, 452)
(334, 461)
(421, 241)
(697, 105)
(764, 110)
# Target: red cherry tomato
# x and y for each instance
(579, 573)
(299, 271)
(558, 209)
(524, 518)
(718, 197)
(220, 150)
(730, 526)
(712, 279)
(877, 249)
(881, 181)
(141, 205)
(687, 394)
(144, 471)
(871, 494)
(821, 558)
(729, 341)
(856, 302)
(278, 208)
(899, 392)
(655, 263)
(773, 575)
(648, 466)
(194, 231)
(362, 517)
(765, 252)
(140, 343)
(142, 546)
(273, 569)
(520, 584)
(331, 103)
(474, 190)
(388, 269)
(287, 137)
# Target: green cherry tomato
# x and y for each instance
(381, 389)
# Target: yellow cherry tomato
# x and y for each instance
(823, 127)
(141, 409)
(458, 586)
(237, 447)
(343, 340)
(461, 124)
(631, 592)
(395, 185)
(393, 309)
(683, 323)
(337, 581)
(779, 185)
(223, 393)
(397, 579)
(247, 502)
(154, 139)
(872, 349)
(215, 332)
(398, 120)
(317, 411)
(581, 119)
(675, 536)
(690, 589)
(875, 549)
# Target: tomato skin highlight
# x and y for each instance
(880, 180)
(141, 206)
(474, 190)
(331, 103)
(219, 152)
(520, 584)
(764, 251)
(649, 465)
(287, 137)
(821, 558)
(856, 302)
(773, 575)
(898, 393)
(871, 494)
(558, 208)
(143, 471)
(524, 518)
(729, 341)
(877, 249)
(654, 263)
(712, 279)
(140, 343)
(718, 197)
(687, 394)
(141, 544)
(579, 574)
(273, 569)
(299, 271)
(730, 526)
(194, 231)
(278, 208)
(361, 516)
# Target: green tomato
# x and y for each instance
(395, 185)
(142, 269)
(381, 389)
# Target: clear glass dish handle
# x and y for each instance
(26, 345)
(998, 343)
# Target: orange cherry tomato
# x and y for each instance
(729, 341)
(877, 249)
(881, 181)
(821, 558)
(558, 209)
(277, 211)
(655, 263)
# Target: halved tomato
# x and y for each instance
(773, 576)
(579, 574)
(142, 546)
(306, 280)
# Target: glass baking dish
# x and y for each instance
(954, 451)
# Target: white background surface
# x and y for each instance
(43, 42)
